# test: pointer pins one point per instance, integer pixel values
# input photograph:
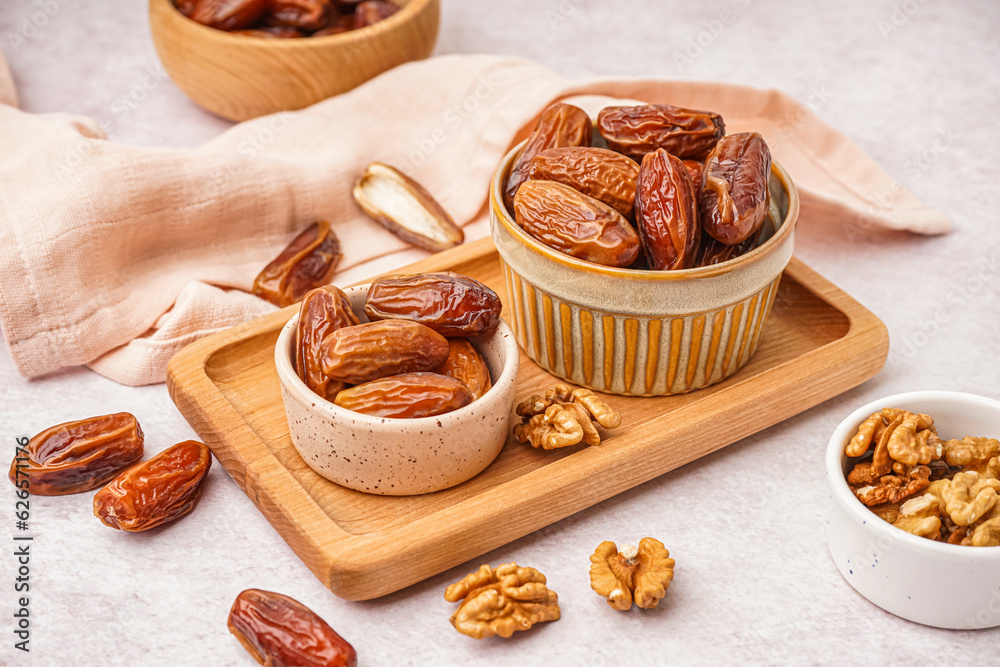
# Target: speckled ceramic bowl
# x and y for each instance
(943, 585)
(640, 333)
(399, 457)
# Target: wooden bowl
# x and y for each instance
(240, 77)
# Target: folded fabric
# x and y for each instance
(118, 256)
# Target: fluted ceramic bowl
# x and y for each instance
(921, 580)
(640, 333)
(399, 457)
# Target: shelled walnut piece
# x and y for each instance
(501, 601)
(629, 573)
(563, 417)
(898, 454)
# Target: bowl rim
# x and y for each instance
(346, 38)
(846, 500)
(294, 384)
(757, 254)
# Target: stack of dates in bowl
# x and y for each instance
(641, 258)
(400, 387)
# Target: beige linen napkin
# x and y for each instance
(118, 256)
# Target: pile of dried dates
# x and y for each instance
(411, 359)
(286, 18)
(671, 191)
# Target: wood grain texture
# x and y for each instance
(818, 343)
(240, 77)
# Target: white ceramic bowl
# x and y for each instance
(398, 457)
(937, 584)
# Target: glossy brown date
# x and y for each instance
(406, 396)
(323, 311)
(79, 455)
(712, 252)
(559, 126)
(575, 224)
(279, 631)
(464, 363)
(734, 199)
(605, 175)
(373, 11)
(227, 14)
(376, 349)
(154, 492)
(307, 15)
(449, 303)
(636, 131)
(695, 170)
(308, 262)
(666, 213)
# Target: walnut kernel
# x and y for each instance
(629, 573)
(501, 601)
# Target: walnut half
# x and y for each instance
(629, 573)
(563, 417)
(501, 601)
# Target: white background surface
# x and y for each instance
(915, 84)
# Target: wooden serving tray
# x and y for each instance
(818, 343)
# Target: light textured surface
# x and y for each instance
(913, 83)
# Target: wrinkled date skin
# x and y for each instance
(308, 262)
(734, 196)
(560, 126)
(376, 349)
(712, 252)
(636, 131)
(596, 172)
(279, 631)
(406, 396)
(79, 456)
(373, 11)
(227, 14)
(695, 170)
(666, 213)
(575, 224)
(302, 14)
(323, 311)
(449, 303)
(162, 489)
(464, 363)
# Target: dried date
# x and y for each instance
(596, 172)
(323, 311)
(308, 262)
(451, 304)
(666, 213)
(373, 11)
(227, 14)
(636, 131)
(300, 14)
(79, 455)
(376, 349)
(575, 224)
(695, 170)
(406, 396)
(464, 363)
(162, 489)
(712, 252)
(559, 126)
(279, 631)
(405, 208)
(734, 197)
